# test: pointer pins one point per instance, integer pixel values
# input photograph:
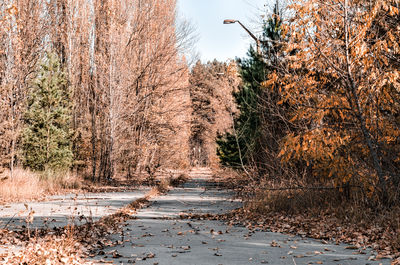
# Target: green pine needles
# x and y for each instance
(46, 138)
(236, 149)
(249, 142)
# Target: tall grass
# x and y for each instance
(27, 185)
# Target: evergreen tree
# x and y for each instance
(46, 139)
(235, 149)
(249, 141)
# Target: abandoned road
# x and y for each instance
(160, 236)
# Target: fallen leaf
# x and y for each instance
(351, 247)
(275, 244)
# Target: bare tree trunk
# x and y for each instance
(354, 100)
(10, 64)
(13, 140)
(92, 110)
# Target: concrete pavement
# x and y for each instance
(61, 210)
(159, 237)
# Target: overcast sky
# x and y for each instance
(215, 39)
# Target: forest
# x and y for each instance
(319, 105)
(316, 134)
(98, 87)
(308, 125)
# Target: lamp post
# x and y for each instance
(232, 21)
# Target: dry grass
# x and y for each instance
(58, 181)
(229, 178)
(71, 244)
(163, 186)
(27, 185)
(323, 213)
(292, 201)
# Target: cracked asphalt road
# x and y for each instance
(61, 210)
(159, 236)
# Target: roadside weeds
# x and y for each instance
(71, 244)
(314, 214)
(27, 185)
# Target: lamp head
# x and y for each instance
(229, 21)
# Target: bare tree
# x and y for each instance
(126, 69)
(23, 36)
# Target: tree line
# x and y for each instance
(97, 86)
(320, 105)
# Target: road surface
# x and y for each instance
(159, 236)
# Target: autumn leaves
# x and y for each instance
(342, 84)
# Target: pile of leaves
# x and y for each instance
(180, 180)
(326, 218)
(69, 244)
(49, 250)
(385, 240)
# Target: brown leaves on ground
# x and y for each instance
(396, 261)
(50, 250)
(384, 239)
(69, 244)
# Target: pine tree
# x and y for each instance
(237, 148)
(46, 139)
(247, 144)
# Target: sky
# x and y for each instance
(216, 40)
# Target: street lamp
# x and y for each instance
(232, 21)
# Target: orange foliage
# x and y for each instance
(342, 79)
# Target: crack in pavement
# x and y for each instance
(159, 236)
